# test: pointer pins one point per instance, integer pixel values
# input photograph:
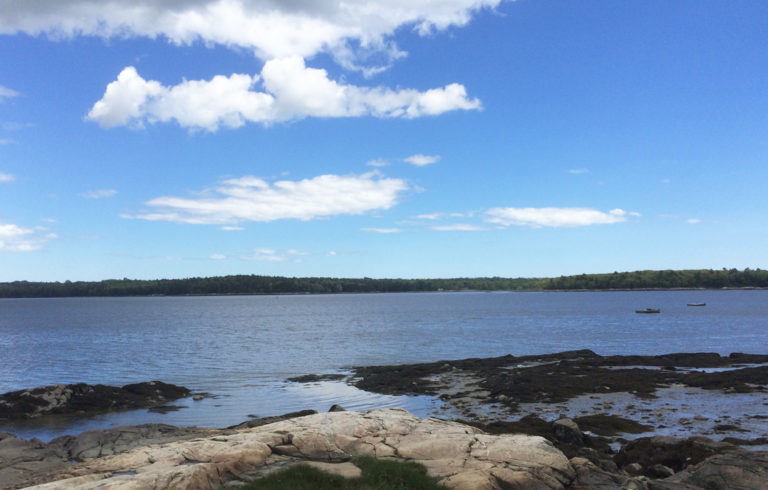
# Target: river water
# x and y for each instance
(242, 348)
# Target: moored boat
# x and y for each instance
(649, 310)
(697, 304)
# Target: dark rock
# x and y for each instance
(610, 425)
(672, 452)
(567, 431)
(313, 378)
(166, 408)
(337, 408)
(659, 471)
(82, 398)
(269, 420)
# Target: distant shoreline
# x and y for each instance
(646, 280)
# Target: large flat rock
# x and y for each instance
(460, 456)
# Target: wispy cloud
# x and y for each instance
(7, 141)
(99, 194)
(578, 171)
(217, 257)
(554, 217)
(458, 227)
(693, 221)
(379, 162)
(14, 238)
(382, 230)
(6, 177)
(6, 93)
(421, 160)
(253, 199)
(272, 255)
(291, 91)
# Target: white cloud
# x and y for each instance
(99, 194)
(272, 255)
(331, 253)
(6, 177)
(693, 221)
(578, 171)
(382, 230)
(6, 141)
(554, 217)
(6, 93)
(291, 91)
(253, 199)
(421, 160)
(217, 257)
(458, 227)
(14, 238)
(352, 32)
(232, 228)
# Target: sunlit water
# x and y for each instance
(242, 348)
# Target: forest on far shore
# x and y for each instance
(255, 284)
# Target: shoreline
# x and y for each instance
(609, 415)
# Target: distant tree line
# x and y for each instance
(254, 284)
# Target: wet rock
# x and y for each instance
(337, 408)
(610, 425)
(672, 452)
(82, 398)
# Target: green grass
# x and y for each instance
(377, 475)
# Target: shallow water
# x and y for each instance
(242, 348)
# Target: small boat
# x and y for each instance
(697, 304)
(649, 310)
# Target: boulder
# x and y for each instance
(567, 431)
(745, 470)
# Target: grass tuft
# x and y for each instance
(377, 475)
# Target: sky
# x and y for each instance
(400, 138)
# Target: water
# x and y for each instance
(242, 348)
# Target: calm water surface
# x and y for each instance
(242, 348)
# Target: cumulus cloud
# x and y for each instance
(253, 199)
(14, 238)
(99, 194)
(353, 32)
(286, 90)
(6, 93)
(272, 255)
(6, 177)
(554, 217)
(421, 160)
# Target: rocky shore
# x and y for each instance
(568, 420)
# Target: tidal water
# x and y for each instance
(241, 349)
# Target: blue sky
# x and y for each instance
(180, 138)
